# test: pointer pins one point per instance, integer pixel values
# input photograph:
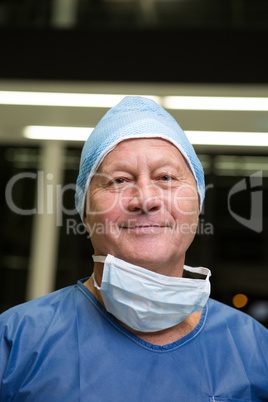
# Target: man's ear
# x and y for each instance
(85, 216)
(88, 227)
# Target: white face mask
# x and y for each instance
(147, 301)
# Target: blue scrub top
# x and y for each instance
(66, 347)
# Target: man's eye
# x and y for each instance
(118, 180)
(166, 177)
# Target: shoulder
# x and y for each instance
(244, 329)
(229, 313)
(35, 314)
(32, 337)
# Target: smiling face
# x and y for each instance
(142, 205)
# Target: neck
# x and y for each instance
(172, 334)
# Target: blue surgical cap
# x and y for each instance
(133, 117)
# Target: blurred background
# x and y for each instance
(64, 63)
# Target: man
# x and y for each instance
(142, 327)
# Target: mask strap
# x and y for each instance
(99, 258)
(199, 270)
(95, 283)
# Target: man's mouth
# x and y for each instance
(145, 227)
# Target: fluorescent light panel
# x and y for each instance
(62, 99)
(228, 138)
(215, 103)
(57, 133)
(195, 137)
(110, 100)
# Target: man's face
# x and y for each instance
(142, 205)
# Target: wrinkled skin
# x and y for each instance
(142, 206)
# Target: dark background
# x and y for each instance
(186, 42)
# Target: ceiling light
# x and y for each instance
(196, 137)
(62, 99)
(110, 100)
(215, 103)
(228, 138)
(57, 133)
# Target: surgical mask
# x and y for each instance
(147, 301)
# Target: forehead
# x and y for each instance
(154, 149)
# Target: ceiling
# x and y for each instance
(13, 118)
(149, 47)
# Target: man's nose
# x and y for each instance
(145, 197)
